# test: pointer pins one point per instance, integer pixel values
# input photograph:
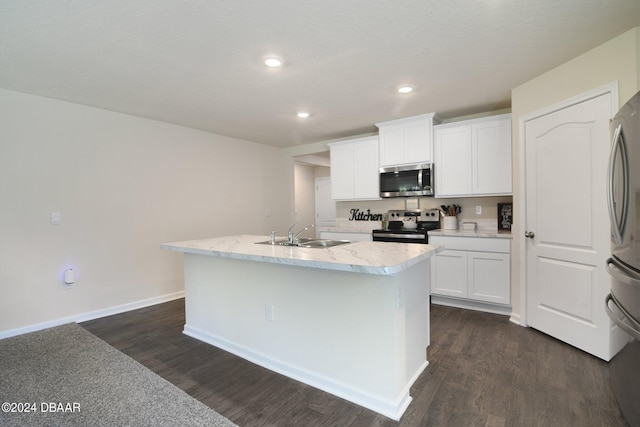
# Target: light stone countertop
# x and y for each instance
(484, 233)
(382, 258)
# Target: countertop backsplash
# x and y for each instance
(481, 224)
(347, 226)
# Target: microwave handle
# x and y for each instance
(420, 179)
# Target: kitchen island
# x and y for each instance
(352, 320)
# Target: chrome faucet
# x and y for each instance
(290, 235)
(294, 239)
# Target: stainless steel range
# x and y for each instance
(408, 226)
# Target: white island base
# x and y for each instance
(362, 337)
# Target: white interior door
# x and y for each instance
(567, 225)
(325, 206)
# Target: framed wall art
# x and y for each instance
(505, 216)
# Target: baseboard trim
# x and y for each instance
(471, 305)
(389, 408)
(515, 318)
(93, 314)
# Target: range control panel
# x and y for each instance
(426, 215)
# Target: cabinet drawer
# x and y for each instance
(478, 244)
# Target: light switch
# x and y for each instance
(56, 218)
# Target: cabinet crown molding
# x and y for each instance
(475, 120)
(431, 116)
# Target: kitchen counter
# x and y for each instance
(363, 257)
(352, 320)
(494, 234)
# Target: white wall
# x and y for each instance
(123, 185)
(305, 197)
(616, 60)
(305, 194)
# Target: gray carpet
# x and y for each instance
(72, 378)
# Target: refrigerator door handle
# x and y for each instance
(618, 226)
(622, 273)
(633, 329)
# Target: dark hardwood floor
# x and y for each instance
(483, 371)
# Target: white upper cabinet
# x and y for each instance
(406, 141)
(453, 161)
(473, 157)
(354, 169)
(491, 154)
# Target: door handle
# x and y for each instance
(633, 329)
(618, 224)
(529, 234)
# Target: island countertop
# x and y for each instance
(381, 258)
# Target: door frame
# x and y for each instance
(319, 179)
(609, 88)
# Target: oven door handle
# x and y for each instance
(402, 236)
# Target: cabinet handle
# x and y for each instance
(529, 234)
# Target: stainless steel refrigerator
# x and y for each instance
(623, 303)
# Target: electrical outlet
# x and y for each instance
(479, 210)
(268, 312)
(56, 218)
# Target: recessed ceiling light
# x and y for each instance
(272, 62)
(303, 114)
(405, 89)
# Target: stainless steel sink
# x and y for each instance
(285, 242)
(323, 243)
(306, 243)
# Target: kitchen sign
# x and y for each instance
(358, 215)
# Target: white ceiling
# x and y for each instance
(199, 63)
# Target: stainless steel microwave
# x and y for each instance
(407, 181)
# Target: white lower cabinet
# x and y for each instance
(472, 268)
(488, 275)
(449, 273)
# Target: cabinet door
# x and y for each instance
(366, 170)
(450, 274)
(453, 161)
(391, 145)
(491, 153)
(489, 277)
(342, 173)
(418, 146)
